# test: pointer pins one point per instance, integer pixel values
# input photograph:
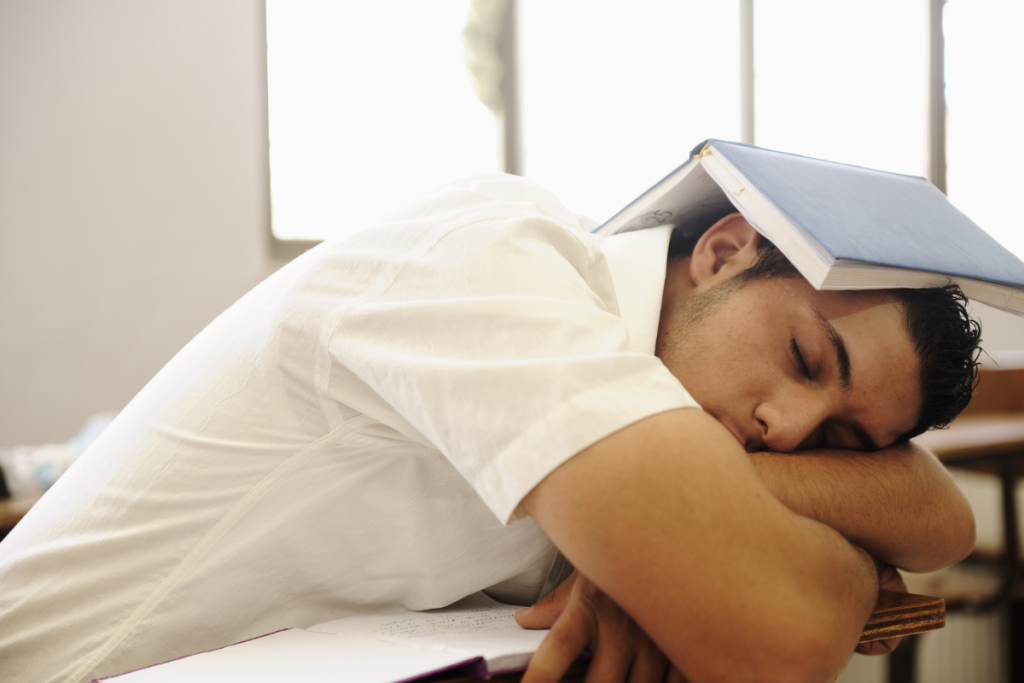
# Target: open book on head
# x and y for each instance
(842, 227)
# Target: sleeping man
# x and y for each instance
(429, 408)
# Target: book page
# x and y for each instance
(298, 655)
(376, 648)
(688, 198)
(476, 626)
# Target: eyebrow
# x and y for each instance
(839, 347)
(843, 363)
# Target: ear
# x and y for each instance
(728, 248)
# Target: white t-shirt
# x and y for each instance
(352, 436)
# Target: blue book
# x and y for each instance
(843, 227)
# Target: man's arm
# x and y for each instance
(900, 504)
(670, 518)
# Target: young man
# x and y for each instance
(403, 418)
(806, 370)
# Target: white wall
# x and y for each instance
(132, 194)
(1000, 331)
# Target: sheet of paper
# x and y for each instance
(475, 626)
(297, 655)
(376, 648)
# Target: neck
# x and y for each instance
(678, 288)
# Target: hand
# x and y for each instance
(580, 615)
(889, 579)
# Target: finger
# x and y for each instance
(878, 647)
(610, 662)
(546, 612)
(568, 638)
(617, 644)
(650, 665)
(896, 583)
(891, 579)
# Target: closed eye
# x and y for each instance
(799, 358)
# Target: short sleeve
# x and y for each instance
(500, 341)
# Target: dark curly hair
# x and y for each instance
(947, 341)
(945, 336)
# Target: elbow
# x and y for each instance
(812, 651)
(821, 635)
(808, 659)
(953, 539)
(963, 536)
(816, 654)
(965, 532)
(942, 534)
(961, 531)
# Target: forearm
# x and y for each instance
(900, 504)
(669, 518)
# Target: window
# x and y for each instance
(844, 81)
(371, 103)
(368, 102)
(984, 59)
(615, 95)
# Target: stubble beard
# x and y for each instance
(678, 328)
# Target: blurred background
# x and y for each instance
(159, 158)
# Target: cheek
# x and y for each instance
(894, 399)
(732, 356)
(723, 373)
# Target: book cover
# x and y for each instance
(842, 226)
(860, 214)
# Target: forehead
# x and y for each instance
(864, 315)
(885, 314)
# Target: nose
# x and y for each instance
(786, 423)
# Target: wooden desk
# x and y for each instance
(978, 440)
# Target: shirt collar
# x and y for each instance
(637, 261)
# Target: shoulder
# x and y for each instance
(475, 213)
(479, 236)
